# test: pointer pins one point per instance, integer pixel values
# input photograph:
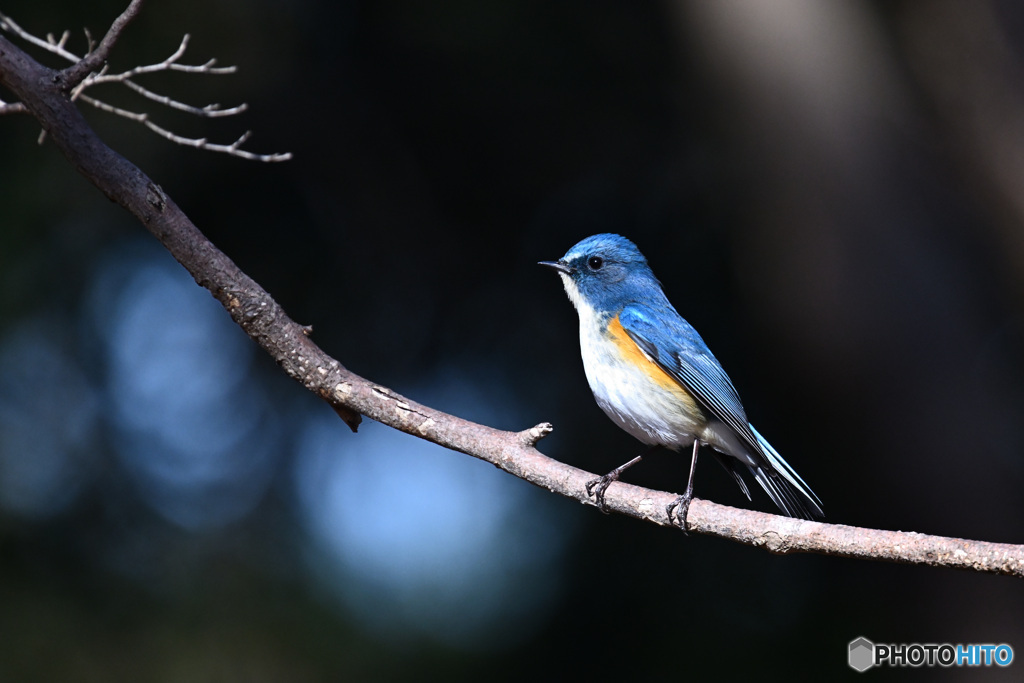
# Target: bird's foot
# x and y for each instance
(678, 509)
(596, 489)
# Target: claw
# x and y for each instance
(597, 487)
(682, 503)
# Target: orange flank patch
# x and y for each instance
(632, 355)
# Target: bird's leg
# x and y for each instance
(682, 503)
(597, 487)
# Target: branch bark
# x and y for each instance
(43, 92)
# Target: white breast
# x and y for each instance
(648, 412)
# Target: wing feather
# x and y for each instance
(672, 343)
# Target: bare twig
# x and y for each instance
(209, 111)
(76, 79)
(12, 108)
(234, 149)
(50, 45)
(169, 64)
(77, 72)
(352, 396)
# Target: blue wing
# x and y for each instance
(678, 349)
(675, 346)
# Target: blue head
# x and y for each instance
(605, 272)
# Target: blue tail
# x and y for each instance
(783, 485)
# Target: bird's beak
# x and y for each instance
(560, 266)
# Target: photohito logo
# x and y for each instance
(863, 654)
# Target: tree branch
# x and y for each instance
(77, 72)
(91, 70)
(351, 396)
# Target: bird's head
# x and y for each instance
(604, 273)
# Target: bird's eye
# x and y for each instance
(595, 262)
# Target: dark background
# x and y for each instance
(833, 194)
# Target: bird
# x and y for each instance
(653, 375)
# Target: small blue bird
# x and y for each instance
(653, 376)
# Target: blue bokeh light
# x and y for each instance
(190, 424)
(420, 542)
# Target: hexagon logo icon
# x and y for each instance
(862, 654)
